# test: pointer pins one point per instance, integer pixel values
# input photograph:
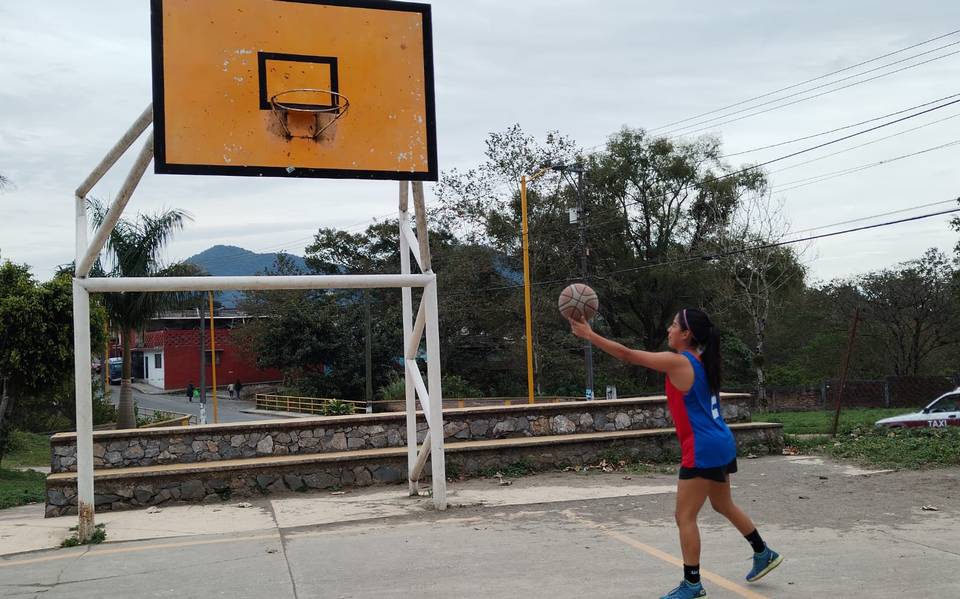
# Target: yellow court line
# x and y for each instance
(662, 555)
(75, 554)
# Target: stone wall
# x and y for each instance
(206, 443)
(204, 484)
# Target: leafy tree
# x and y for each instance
(910, 311)
(133, 250)
(755, 275)
(647, 201)
(36, 349)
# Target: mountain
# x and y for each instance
(231, 261)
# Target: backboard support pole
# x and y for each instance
(87, 253)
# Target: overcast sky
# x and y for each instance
(76, 74)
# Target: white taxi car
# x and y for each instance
(942, 412)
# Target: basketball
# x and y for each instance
(578, 301)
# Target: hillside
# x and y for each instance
(231, 261)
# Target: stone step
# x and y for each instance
(335, 434)
(121, 488)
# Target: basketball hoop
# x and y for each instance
(303, 119)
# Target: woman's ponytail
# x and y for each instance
(707, 335)
(712, 361)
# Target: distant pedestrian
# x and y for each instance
(190, 389)
(196, 394)
(230, 390)
(237, 387)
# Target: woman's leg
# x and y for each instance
(691, 494)
(722, 502)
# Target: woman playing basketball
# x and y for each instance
(708, 448)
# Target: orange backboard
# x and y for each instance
(219, 65)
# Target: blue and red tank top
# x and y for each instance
(705, 439)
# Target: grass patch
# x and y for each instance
(514, 470)
(21, 487)
(27, 449)
(99, 535)
(902, 448)
(820, 421)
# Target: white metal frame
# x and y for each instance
(427, 320)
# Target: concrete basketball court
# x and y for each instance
(844, 531)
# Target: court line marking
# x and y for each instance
(97, 553)
(662, 555)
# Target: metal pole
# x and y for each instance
(437, 458)
(83, 386)
(85, 260)
(243, 283)
(203, 368)
(368, 351)
(528, 320)
(406, 317)
(213, 358)
(114, 154)
(106, 361)
(588, 347)
(843, 373)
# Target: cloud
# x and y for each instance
(77, 74)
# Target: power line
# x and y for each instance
(681, 132)
(826, 176)
(865, 218)
(796, 85)
(858, 146)
(851, 126)
(765, 246)
(810, 149)
(717, 255)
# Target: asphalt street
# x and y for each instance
(228, 410)
(844, 532)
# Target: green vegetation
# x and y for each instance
(336, 407)
(27, 449)
(859, 440)
(820, 421)
(20, 487)
(154, 417)
(888, 448)
(514, 470)
(99, 535)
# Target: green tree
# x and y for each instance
(36, 349)
(911, 312)
(754, 276)
(133, 249)
(647, 201)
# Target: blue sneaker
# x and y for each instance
(686, 591)
(763, 563)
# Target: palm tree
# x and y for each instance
(133, 250)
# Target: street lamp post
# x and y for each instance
(525, 238)
(581, 221)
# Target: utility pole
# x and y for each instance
(368, 350)
(584, 252)
(203, 368)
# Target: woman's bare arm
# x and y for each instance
(673, 365)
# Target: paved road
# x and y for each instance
(228, 409)
(844, 533)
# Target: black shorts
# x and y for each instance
(718, 473)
